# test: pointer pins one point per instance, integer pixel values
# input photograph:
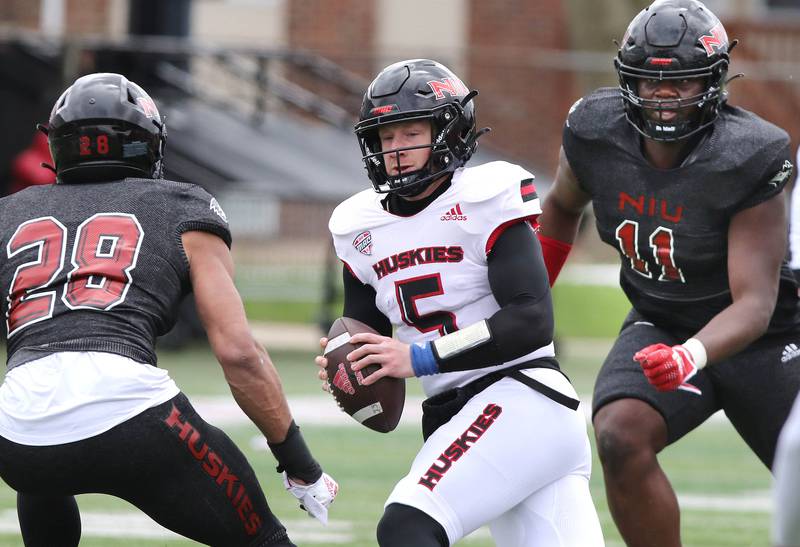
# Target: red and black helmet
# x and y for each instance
(673, 40)
(104, 127)
(417, 89)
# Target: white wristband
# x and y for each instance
(698, 351)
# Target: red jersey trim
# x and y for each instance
(349, 269)
(502, 228)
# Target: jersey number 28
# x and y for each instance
(104, 254)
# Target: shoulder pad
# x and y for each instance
(591, 116)
(360, 212)
(171, 187)
(745, 127)
(484, 182)
(748, 144)
(192, 193)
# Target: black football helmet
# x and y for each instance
(673, 40)
(105, 127)
(418, 89)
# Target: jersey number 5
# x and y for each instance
(662, 245)
(408, 291)
(105, 252)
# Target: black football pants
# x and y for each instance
(184, 473)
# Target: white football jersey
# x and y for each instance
(794, 222)
(429, 270)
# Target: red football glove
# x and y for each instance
(668, 368)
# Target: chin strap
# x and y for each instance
(468, 97)
(734, 77)
(481, 132)
(44, 129)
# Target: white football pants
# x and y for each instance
(523, 470)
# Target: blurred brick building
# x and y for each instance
(279, 176)
(529, 60)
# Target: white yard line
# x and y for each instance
(306, 409)
(137, 525)
(745, 502)
(140, 526)
(321, 410)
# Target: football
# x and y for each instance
(377, 406)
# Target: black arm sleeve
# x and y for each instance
(524, 322)
(359, 303)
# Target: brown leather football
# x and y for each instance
(378, 406)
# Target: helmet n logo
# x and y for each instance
(453, 86)
(717, 40)
(148, 106)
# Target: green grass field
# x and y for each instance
(723, 488)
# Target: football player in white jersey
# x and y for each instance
(786, 520)
(447, 257)
(794, 225)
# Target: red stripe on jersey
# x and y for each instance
(528, 190)
(502, 228)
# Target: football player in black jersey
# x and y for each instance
(688, 189)
(94, 269)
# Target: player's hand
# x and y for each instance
(314, 498)
(668, 368)
(322, 362)
(393, 356)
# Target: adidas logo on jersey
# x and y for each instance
(454, 214)
(790, 352)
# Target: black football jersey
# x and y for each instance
(98, 267)
(670, 227)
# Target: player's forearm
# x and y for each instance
(514, 331)
(256, 387)
(735, 327)
(563, 208)
(558, 223)
(524, 322)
